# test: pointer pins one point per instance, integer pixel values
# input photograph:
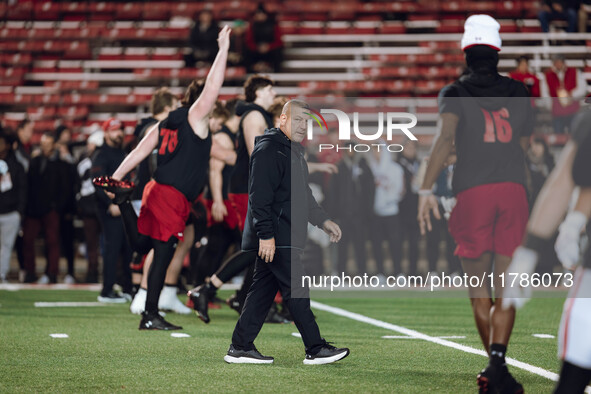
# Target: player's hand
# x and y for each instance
(333, 230)
(218, 211)
(224, 38)
(114, 210)
(427, 204)
(524, 262)
(267, 249)
(567, 244)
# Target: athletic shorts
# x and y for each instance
(231, 220)
(164, 212)
(574, 341)
(489, 218)
(240, 201)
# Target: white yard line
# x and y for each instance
(416, 334)
(67, 304)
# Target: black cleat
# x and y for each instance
(235, 303)
(153, 321)
(121, 189)
(275, 317)
(253, 356)
(200, 296)
(327, 354)
(497, 379)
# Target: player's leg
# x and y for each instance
(168, 298)
(480, 297)
(139, 243)
(163, 253)
(502, 320)
(259, 300)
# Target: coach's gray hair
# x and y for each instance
(298, 103)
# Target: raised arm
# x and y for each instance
(204, 104)
(144, 148)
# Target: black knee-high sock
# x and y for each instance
(163, 253)
(235, 265)
(573, 379)
(138, 242)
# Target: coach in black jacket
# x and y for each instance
(280, 204)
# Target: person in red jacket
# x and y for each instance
(565, 86)
(263, 43)
(524, 74)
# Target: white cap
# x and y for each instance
(96, 138)
(481, 30)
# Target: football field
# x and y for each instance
(399, 343)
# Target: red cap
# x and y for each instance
(112, 124)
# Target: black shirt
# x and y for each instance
(143, 172)
(239, 180)
(105, 161)
(228, 169)
(183, 157)
(494, 113)
(13, 186)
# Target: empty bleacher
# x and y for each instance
(79, 62)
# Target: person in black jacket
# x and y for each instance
(48, 178)
(203, 39)
(280, 204)
(104, 161)
(13, 195)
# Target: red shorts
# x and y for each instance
(164, 212)
(231, 220)
(489, 218)
(240, 201)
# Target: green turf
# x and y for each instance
(106, 352)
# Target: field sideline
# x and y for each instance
(104, 350)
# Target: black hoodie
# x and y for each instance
(280, 202)
(494, 113)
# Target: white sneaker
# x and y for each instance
(44, 280)
(170, 302)
(69, 280)
(138, 305)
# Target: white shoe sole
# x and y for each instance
(245, 360)
(326, 360)
(111, 300)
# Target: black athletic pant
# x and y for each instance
(353, 233)
(67, 240)
(410, 230)
(573, 379)
(116, 246)
(268, 278)
(220, 239)
(163, 253)
(387, 228)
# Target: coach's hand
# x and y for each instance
(427, 204)
(218, 211)
(267, 249)
(523, 264)
(333, 230)
(224, 38)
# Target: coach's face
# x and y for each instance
(294, 123)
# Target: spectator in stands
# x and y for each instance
(584, 11)
(86, 206)
(105, 161)
(540, 162)
(64, 147)
(350, 202)
(13, 195)
(565, 86)
(524, 74)
(263, 42)
(237, 44)
(409, 204)
(22, 149)
(559, 9)
(203, 39)
(47, 179)
(388, 187)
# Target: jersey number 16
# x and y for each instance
(497, 126)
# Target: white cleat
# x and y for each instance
(138, 305)
(170, 302)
